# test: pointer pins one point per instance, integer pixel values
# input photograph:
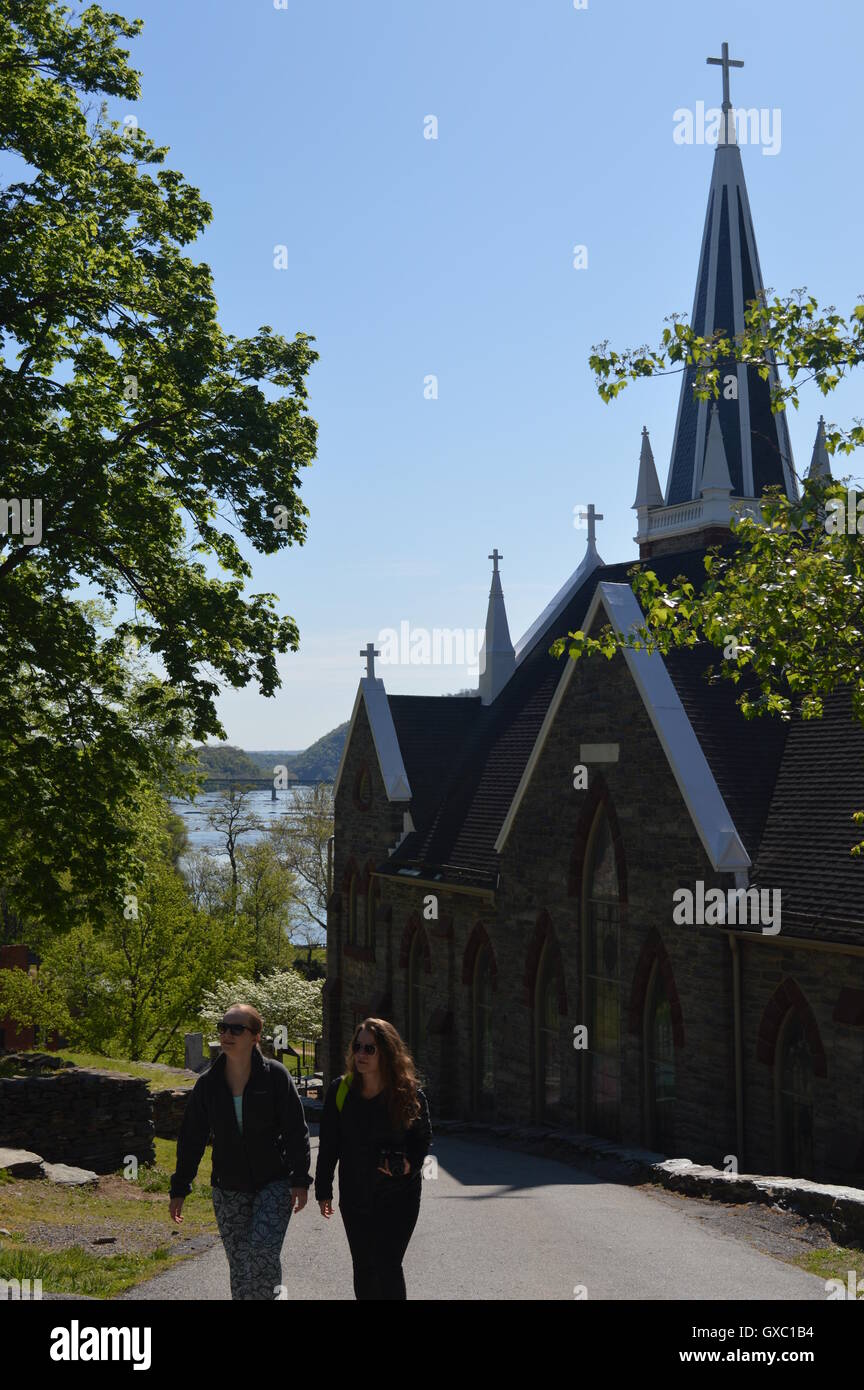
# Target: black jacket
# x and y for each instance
(275, 1139)
(354, 1139)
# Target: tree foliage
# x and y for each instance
(785, 605)
(149, 438)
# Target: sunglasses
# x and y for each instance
(235, 1029)
(369, 1048)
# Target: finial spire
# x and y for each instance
(648, 492)
(820, 464)
(726, 63)
(370, 654)
(497, 657)
(715, 470)
(592, 517)
(728, 126)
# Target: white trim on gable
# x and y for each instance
(553, 610)
(372, 692)
(708, 810)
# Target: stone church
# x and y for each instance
(516, 922)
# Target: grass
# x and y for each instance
(833, 1262)
(77, 1271)
(157, 1080)
(50, 1227)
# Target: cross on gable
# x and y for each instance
(592, 517)
(370, 654)
(495, 557)
(726, 63)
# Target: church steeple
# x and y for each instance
(648, 492)
(755, 441)
(497, 657)
(820, 465)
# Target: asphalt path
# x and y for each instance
(499, 1224)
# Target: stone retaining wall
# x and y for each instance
(88, 1118)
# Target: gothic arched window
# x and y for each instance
(548, 1034)
(602, 982)
(416, 997)
(484, 1061)
(660, 1065)
(794, 1080)
(352, 908)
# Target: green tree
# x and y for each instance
(302, 842)
(264, 905)
(784, 605)
(138, 434)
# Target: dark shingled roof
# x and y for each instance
(805, 851)
(457, 841)
(790, 788)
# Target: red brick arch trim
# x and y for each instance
(476, 941)
(412, 927)
(654, 950)
(598, 795)
(788, 996)
(544, 933)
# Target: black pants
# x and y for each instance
(378, 1239)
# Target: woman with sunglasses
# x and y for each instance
(260, 1153)
(375, 1125)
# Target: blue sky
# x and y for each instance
(304, 127)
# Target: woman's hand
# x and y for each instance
(406, 1168)
(299, 1196)
(175, 1209)
(326, 1208)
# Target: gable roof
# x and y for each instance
(696, 782)
(456, 839)
(371, 691)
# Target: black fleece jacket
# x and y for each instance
(354, 1139)
(275, 1139)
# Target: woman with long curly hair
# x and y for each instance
(375, 1125)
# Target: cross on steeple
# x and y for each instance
(495, 557)
(370, 654)
(591, 516)
(726, 63)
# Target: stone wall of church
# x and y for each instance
(364, 834)
(538, 906)
(658, 850)
(826, 989)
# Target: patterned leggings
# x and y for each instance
(252, 1226)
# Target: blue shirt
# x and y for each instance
(238, 1111)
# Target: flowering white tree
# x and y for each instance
(283, 998)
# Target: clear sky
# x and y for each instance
(304, 127)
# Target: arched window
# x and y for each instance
(352, 909)
(360, 908)
(416, 998)
(371, 905)
(548, 1035)
(660, 1065)
(602, 983)
(363, 789)
(484, 1064)
(794, 1080)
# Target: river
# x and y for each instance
(194, 815)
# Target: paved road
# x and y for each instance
(498, 1224)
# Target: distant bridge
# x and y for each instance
(247, 783)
